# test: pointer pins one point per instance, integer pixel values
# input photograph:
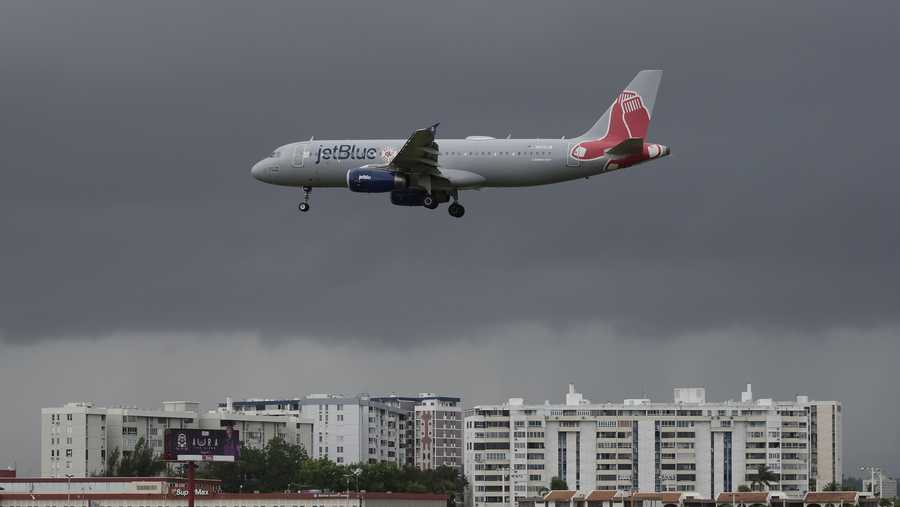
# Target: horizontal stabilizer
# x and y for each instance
(631, 146)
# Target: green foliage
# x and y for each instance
(852, 484)
(763, 478)
(270, 469)
(112, 463)
(557, 483)
(281, 466)
(141, 462)
(744, 488)
(832, 486)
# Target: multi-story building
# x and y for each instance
(889, 488)
(514, 449)
(77, 438)
(438, 433)
(825, 425)
(345, 429)
(374, 429)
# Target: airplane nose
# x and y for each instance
(258, 171)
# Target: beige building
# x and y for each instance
(438, 433)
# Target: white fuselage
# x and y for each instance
(466, 163)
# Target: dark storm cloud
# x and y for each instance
(129, 129)
(128, 132)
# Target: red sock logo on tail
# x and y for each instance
(628, 118)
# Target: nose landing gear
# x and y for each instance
(304, 206)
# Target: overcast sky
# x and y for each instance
(139, 261)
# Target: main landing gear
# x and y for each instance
(456, 209)
(304, 206)
(430, 202)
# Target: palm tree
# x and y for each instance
(763, 477)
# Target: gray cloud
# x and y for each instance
(127, 209)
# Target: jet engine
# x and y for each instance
(374, 180)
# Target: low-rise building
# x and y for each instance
(609, 498)
(172, 492)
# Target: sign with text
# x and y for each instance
(202, 445)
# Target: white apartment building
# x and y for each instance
(76, 438)
(374, 429)
(513, 450)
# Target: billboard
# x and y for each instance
(202, 445)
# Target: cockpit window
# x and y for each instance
(275, 154)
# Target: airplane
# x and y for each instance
(424, 171)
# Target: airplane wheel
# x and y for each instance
(430, 202)
(304, 207)
(456, 210)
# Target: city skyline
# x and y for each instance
(249, 406)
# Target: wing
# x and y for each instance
(419, 154)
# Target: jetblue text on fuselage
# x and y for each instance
(345, 152)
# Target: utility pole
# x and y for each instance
(191, 483)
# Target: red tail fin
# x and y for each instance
(627, 118)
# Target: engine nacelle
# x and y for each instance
(408, 197)
(374, 180)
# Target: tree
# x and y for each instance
(282, 463)
(273, 468)
(322, 474)
(281, 466)
(832, 486)
(141, 462)
(763, 478)
(556, 483)
(112, 463)
(744, 488)
(852, 484)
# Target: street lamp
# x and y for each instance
(355, 474)
(68, 488)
